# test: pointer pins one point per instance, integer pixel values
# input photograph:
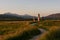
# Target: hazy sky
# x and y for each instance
(31, 7)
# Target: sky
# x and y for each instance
(30, 7)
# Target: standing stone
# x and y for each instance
(33, 19)
(38, 17)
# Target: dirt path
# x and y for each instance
(36, 37)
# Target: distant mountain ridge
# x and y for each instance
(11, 16)
(52, 17)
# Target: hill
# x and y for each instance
(52, 17)
(11, 16)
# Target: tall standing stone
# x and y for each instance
(38, 17)
(33, 19)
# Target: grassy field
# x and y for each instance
(47, 24)
(23, 30)
(53, 30)
(17, 30)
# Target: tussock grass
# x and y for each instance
(52, 34)
(22, 30)
(17, 30)
(47, 24)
